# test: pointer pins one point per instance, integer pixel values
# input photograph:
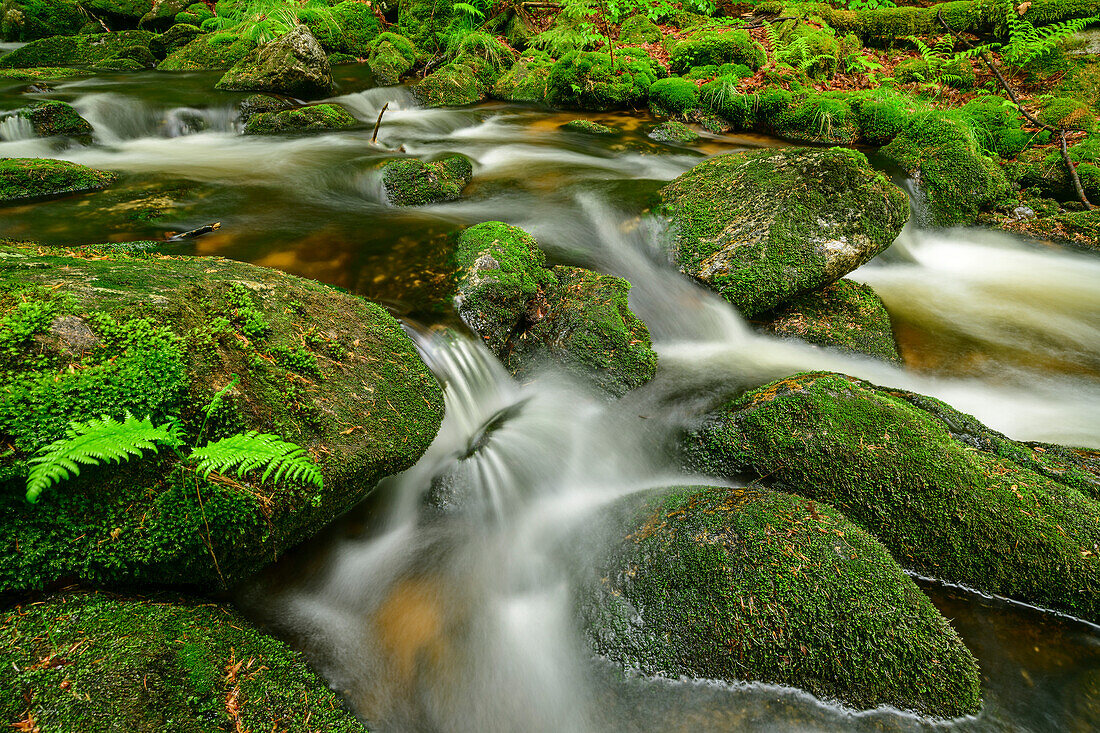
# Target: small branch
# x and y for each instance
(374, 137)
(1060, 131)
(196, 232)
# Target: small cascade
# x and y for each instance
(15, 127)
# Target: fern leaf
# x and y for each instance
(253, 451)
(105, 440)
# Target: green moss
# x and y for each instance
(315, 118)
(29, 20)
(526, 313)
(715, 48)
(210, 51)
(39, 74)
(74, 50)
(816, 215)
(197, 12)
(412, 182)
(589, 127)
(673, 96)
(882, 114)
(1078, 229)
(1046, 170)
(673, 132)
(463, 81)
(844, 315)
(155, 664)
(174, 38)
(948, 497)
(638, 30)
(391, 57)
(942, 149)
(51, 118)
(737, 584)
(526, 81)
(999, 126)
(817, 118)
(424, 21)
(82, 337)
(1069, 114)
(586, 80)
(1082, 81)
(737, 71)
(23, 178)
(352, 28)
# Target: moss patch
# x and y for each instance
(25, 178)
(412, 182)
(210, 51)
(586, 80)
(749, 585)
(75, 50)
(315, 118)
(391, 57)
(50, 118)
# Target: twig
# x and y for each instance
(196, 232)
(374, 137)
(1061, 131)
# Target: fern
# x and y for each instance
(1027, 43)
(252, 451)
(93, 443)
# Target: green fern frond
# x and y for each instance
(253, 451)
(92, 443)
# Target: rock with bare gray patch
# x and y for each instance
(762, 227)
(294, 64)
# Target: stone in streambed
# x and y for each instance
(51, 118)
(155, 664)
(528, 314)
(763, 227)
(294, 64)
(169, 333)
(589, 127)
(315, 118)
(673, 131)
(948, 496)
(741, 584)
(412, 182)
(28, 178)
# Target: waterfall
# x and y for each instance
(16, 127)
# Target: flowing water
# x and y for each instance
(443, 602)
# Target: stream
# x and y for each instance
(442, 603)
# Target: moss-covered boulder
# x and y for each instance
(673, 131)
(709, 47)
(639, 30)
(529, 315)
(50, 118)
(586, 80)
(293, 64)
(941, 151)
(315, 118)
(45, 73)
(176, 37)
(28, 178)
(589, 127)
(352, 27)
(673, 96)
(106, 333)
(526, 80)
(412, 182)
(950, 497)
(845, 315)
(458, 83)
(207, 52)
(1045, 170)
(260, 103)
(737, 584)
(76, 50)
(29, 20)
(391, 56)
(162, 15)
(156, 664)
(762, 227)
(425, 22)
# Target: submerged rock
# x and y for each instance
(315, 118)
(293, 64)
(26, 178)
(762, 227)
(846, 315)
(51, 118)
(155, 664)
(331, 372)
(947, 495)
(738, 584)
(589, 127)
(673, 132)
(529, 315)
(261, 103)
(412, 182)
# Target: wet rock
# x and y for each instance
(763, 227)
(589, 127)
(466, 80)
(741, 585)
(26, 178)
(673, 132)
(161, 663)
(331, 372)
(174, 38)
(391, 57)
(75, 50)
(948, 496)
(294, 64)
(412, 182)
(529, 315)
(315, 118)
(50, 118)
(845, 315)
(260, 103)
(208, 51)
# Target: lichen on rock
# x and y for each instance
(293, 64)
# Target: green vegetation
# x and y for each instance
(412, 182)
(76, 50)
(50, 118)
(589, 127)
(315, 118)
(24, 178)
(260, 21)
(390, 57)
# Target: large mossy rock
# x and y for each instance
(466, 80)
(737, 584)
(713, 48)
(529, 315)
(586, 80)
(108, 333)
(950, 497)
(176, 37)
(28, 178)
(845, 315)
(77, 50)
(762, 227)
(391, 56)
(526, 81)
(293, 64)
(29, 20)
(158, 664)
(312, 119)
(207, 52)
(424, 21)
(353, 26)
(941, 151)
(412, 182)
(52, 118)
